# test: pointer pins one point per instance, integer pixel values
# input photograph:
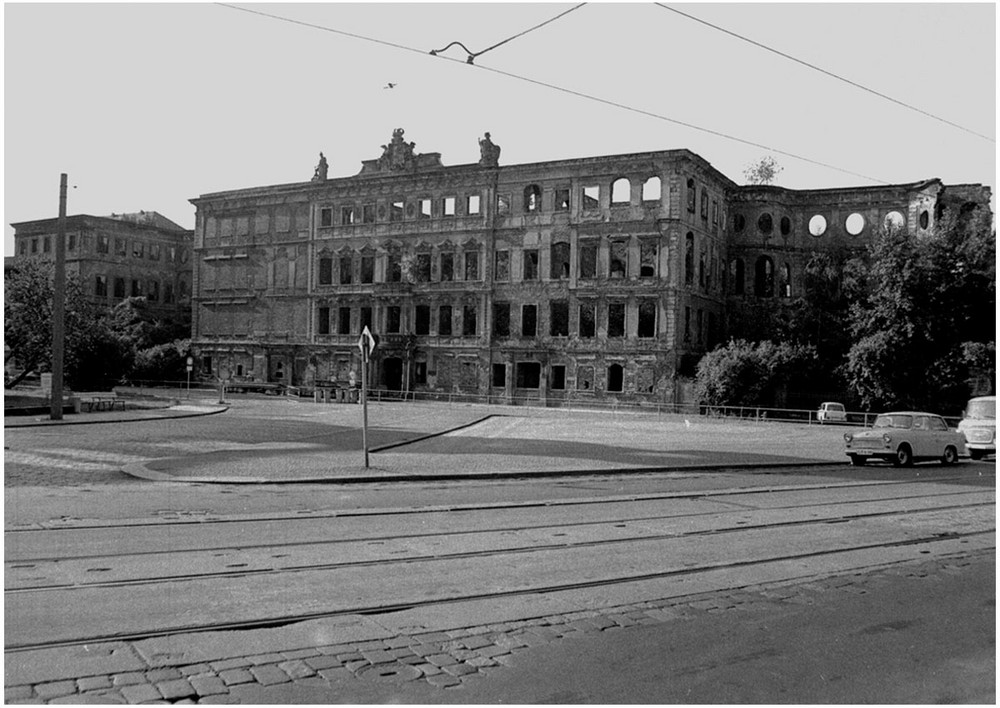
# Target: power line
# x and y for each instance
(473, 55)
(572, 92)
(824, 71)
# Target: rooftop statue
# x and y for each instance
(489, 154)
(320, 174)
(397, 155)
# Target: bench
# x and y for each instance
(103, 402)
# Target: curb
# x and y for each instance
(143, 419)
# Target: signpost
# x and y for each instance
(366, 343)
(190, 366)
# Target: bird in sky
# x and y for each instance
(389, 86)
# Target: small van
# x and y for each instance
(979, 425)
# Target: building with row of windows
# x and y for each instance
(143, 254)
(598, 277)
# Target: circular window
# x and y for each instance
(894, 220)
(739, 222)
(765, 223)
(925, 219)
(786, 226)
(855, 224)
(817, 225)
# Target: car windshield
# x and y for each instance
(981, 409)
(894, 421)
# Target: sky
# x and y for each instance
(146, 106)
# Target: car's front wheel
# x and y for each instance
(950, 455)
(903, 457)
(858, 460)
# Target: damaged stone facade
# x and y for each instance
(142, 254)
(584, 279)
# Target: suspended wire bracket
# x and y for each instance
(434, 52)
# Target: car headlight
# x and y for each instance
(848, 438)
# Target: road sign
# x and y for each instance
(366, 343)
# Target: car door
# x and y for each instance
(923, 438)
(943, 435)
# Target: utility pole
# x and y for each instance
(59, 308)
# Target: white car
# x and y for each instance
(979, 425)
(831, 412)
(904, 437)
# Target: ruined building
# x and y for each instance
(143, 254)
(589, 278)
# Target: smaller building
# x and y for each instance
(123, 255)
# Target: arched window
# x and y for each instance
(532, 198)
(763, 284)
(652, 190)
(765, 223)
(621, 191)
(691, 196)
(786, 226)
(786, 280)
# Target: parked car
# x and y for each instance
(905, 437)
(979, 425)
(831, 412)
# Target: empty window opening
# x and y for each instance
(323, 320)
(397, 209)
(692, 195)
(764, 277)
(367, 269)
(448, 206)
(326, 216)
(817, 225)
(529, 374)
(348, 215)
(394, 268)
(392, 319)
(704, 204)
(558, 377)
(591, 198)
(855, 224)
(562, 200)
(503, 204)
(469, 320)
(699, 317)
(786, 280)
(616, 377)
(585, 378)
(647, 259)
(444, 319)
(647, 318)
(687, 324)
(422, 268)
(502, 269)
(786, 226)
(765, 223)
(715, 212)
(559, 318)
(368, 214)
(472, 205)
(925, 219)
(344, 320)
(447, 266)
(346, 268)
(422, 319)
(618, 260)
(365, 319)
(588, 259)
(616, 319)
(119, 287)
(529, 320)
(501, 319)
(472, 265)
(559, 261)
(532, 198)
(325, 271)
(420, 372)
(499, 376)
(588, 322)
(531, 265)
(739, 222)
(689, 259)
(621, 192)
(101, 285)
(652, 189)
(425, 208)
(736, 275)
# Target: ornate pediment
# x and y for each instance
(399, 156)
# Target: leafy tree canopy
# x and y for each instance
(743, 373)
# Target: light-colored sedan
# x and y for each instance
(905, 437)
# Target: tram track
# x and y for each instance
(739, 527)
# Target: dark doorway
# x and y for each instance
(392, 374)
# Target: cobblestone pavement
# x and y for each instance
(451, 659)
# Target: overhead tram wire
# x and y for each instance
(578, 94)
(824, 71)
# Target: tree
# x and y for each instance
(926, 315)
(762, 171)
(743, 373)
